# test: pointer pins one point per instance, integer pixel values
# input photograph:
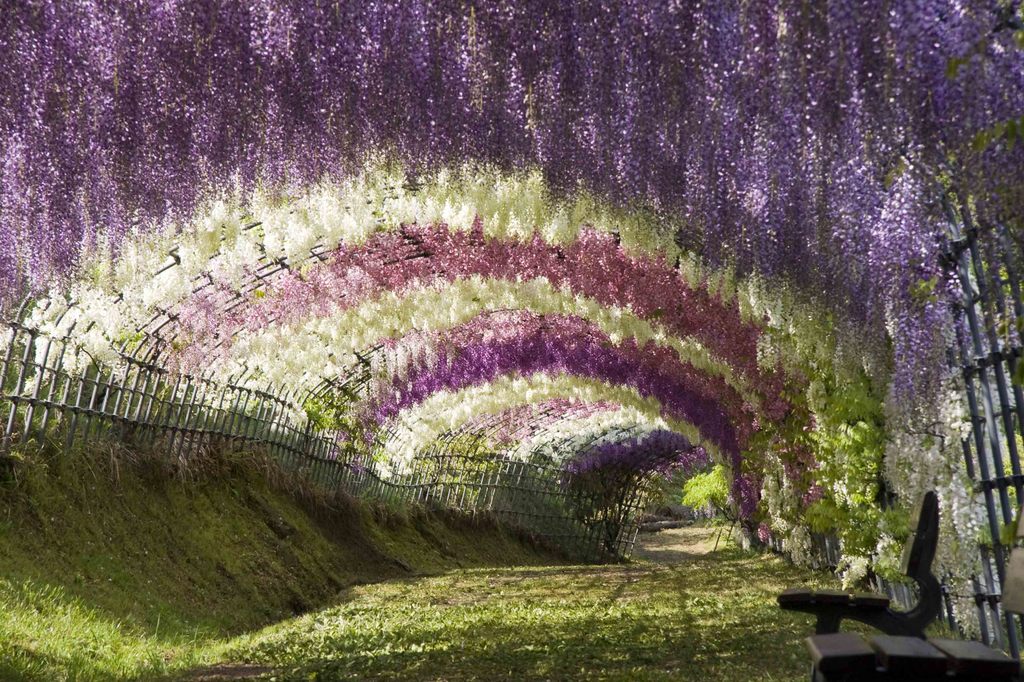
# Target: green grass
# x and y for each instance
(705, 617)
(112, 568)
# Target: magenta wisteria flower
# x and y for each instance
(593, 266)
(522, 343)
(657, 451)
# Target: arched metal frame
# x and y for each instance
(162, 330)
(139, 396)
(142, 400)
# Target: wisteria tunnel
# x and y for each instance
(530, 259)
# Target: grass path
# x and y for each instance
(677, 612)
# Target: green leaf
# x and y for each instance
(1008, 533)
(894, 174)
(953, 65)
(981, 141)
(1018, 375)
(923, 291)
(709, 488)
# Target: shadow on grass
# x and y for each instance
(611, 648)
(712, 618)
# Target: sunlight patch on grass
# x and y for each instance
(113, 570)
(711, 618)
(47, 634)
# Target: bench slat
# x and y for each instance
(902, 655)
(841, 652)
(974, 658)
(795, 596)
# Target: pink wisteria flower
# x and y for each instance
(594, 266)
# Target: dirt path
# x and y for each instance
(676, 545)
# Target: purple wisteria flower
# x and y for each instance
(802, 143)
(658, 451)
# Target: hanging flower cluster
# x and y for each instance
(565, 437)
(517, 425)
(515, 343)
(327, 343)
(118, 298)
(593, 267)
(798, 143)
(416, 428)
(657, 451)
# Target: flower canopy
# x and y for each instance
(702, 229)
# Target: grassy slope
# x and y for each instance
(103, 579)
(680, 613)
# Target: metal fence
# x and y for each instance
(47, 397)
(985, 264)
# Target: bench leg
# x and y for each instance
(816, 675)
(828, 623)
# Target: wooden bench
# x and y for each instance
(848, 657)
(832, 607)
